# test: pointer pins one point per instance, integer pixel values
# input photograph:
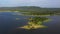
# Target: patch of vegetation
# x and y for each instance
(32, 10)
(35, 23)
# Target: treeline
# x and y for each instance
(32, 10)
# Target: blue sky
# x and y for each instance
(41, 3)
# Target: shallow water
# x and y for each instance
(9, 25)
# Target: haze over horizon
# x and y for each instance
(40, 3)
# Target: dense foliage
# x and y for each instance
(38, 20)
(35, 23)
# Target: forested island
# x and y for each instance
(36, 22)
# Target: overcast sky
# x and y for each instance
(41, 3)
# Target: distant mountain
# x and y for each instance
(20, 8)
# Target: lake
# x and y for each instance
(9, 24)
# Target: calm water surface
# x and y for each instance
(9, 25)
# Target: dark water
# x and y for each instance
(9, 25)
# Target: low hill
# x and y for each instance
(31, 9)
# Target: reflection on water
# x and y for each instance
(9, 25)
(17, 18)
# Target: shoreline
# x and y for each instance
(33, 27)
(27, 14)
